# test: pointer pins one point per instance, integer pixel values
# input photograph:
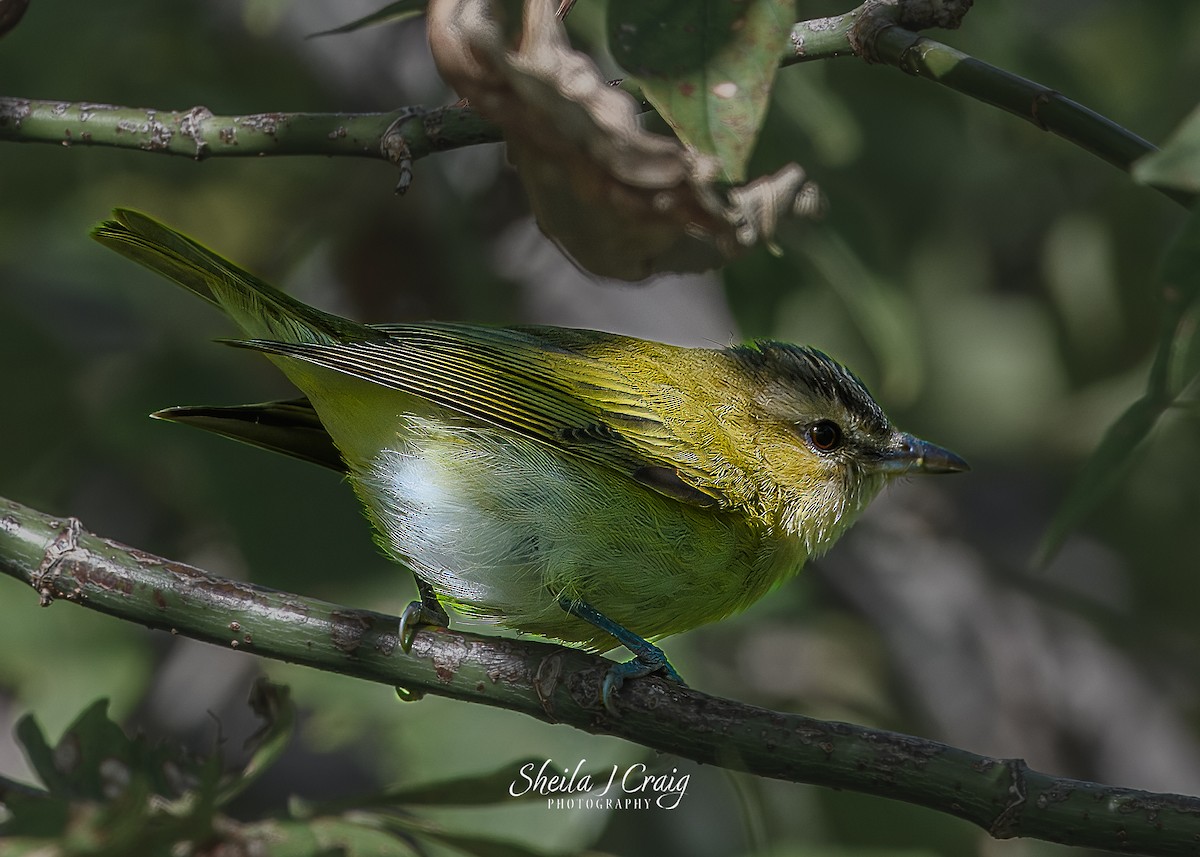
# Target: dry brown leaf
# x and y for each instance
(11, 12)
(621, 201)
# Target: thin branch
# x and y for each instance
(61, 561)
(823, 38)
(399, 137)
(870, 32)
(404, 135)
(1045, 108)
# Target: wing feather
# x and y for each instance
(587, 393)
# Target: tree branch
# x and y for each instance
(402, 136)
(61, 561)
(871, 32)
(399, 137)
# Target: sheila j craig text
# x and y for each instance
(628, 788)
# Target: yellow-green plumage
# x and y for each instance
(516, 469)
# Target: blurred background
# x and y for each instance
(994, 286)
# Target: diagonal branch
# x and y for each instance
(62, 561)
(871, 33)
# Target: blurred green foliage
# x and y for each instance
(995, 286)
(101, 792)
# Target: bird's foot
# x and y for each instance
(649, 660)
(647, 657)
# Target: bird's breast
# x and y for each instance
(502, 526)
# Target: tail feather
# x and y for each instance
(292, 428)
(258, 308)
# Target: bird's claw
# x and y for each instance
(416, 614)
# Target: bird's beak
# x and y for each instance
(908, 454)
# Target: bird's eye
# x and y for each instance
(826, 435)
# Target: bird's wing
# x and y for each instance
(578, 391)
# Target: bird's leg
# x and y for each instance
(648, 658)
(427, 611)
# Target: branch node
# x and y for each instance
(405, 178)
(191, 126)
(1005, 824)
(545, 682)
(57, 549)
(14, 111)
(393, 145)
(878, 15)
(1044, 97)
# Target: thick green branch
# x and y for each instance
(63, 562)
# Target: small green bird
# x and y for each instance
(591, 488)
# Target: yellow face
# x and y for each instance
(826, 446)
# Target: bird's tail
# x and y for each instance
(290, 427)
(259, 309)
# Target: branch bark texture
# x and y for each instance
(61, 561)
(399, 136)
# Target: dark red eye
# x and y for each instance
(825, 435)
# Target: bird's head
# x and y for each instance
(825, 444)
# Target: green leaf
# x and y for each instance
(483, 789)
(324, 837)
(1181, 266)
(1178, 359)
(1176, 365)
(91, 760)
(103, 784)
(1177, 165)
(1184, 365)
(396, 11)
(104, 787)
(707, 66)
(476, 846)
(1101, 474)
(32, 814)
(38, 753)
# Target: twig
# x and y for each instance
(62, 561)
(871, 33)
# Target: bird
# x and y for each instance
(587, 487)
